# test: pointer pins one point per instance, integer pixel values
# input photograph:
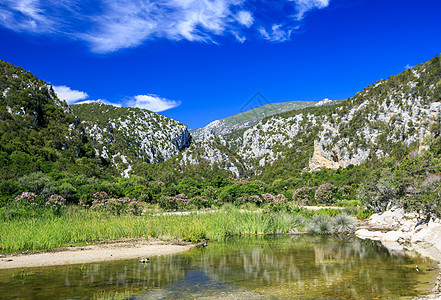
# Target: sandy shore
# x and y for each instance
(126, 249)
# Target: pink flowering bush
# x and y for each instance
(117, 206)
(200, 202)
(326, 193)
(209, 193)
(174, 202)
(304, 195)
(27, 198)
(275, 203)
(56, 203)
(182, 201)
(256, 199)
(156, 186)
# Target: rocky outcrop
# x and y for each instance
(405, 231)
(214, 151)
(335, 158)
(251, 117)
(401, 231)
(129, 135)
(387, 115)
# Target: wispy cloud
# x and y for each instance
(67, 94)
(303, 6)
(109, 25)
(276, 34)
(152, 102)
(408, 67)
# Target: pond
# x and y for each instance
(259, 267)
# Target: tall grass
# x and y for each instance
(79, 226)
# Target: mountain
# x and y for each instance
(249, 118)
(127, 136)
(389, 118)
(41, 133)
(38, 132)
(393, 117)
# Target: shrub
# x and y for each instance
(325, 193)
(304, 195)
(173, 202)
(365, 214)
(320, 224)
(27, 198)
(344, 224)
(55, 202)
(200, 202)
(117, 206)
(378, 190)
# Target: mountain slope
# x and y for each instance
(390, 117)
(247, 118)
(127, 136)
(38, 132)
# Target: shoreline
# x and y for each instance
(403, 232)
(107, 251)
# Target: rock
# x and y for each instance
(393, 247)
(392, 236)
(366, 234)
(144, 260)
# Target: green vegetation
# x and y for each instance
(79, 226)
(251, 117)
(60, 167)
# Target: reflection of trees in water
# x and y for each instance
(312, 265)
(299, 266)
(85, 280)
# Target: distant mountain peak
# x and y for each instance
(325, 101)
(248, 118)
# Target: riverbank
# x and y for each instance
(117, 250)
(403, 232)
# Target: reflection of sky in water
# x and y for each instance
(244, 267)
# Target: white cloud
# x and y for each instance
(67, 94)
(408, 66)
(304, 6)
(152, 102)
(277, 33)
(109, 25)
(245, 18)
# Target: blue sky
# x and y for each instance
(201, 60)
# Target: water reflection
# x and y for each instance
(303, 267)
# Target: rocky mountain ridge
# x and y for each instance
(250, 117)
(32, 116)
(383, 118)
(127, 135)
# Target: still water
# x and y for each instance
(260, 267)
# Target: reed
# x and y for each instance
(79, 226)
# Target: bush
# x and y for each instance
(26, 199)
(304, 195)
(365, 214)
(320, 224)
(56, 203)
(379, 190)
(117, 206)
(344, 224)
(34, 182)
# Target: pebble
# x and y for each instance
(144, 260)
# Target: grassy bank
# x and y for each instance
(81, 226)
